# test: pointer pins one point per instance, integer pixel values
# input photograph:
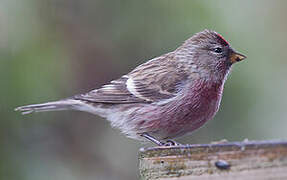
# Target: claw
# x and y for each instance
(170, 142)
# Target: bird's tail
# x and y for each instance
(67, 104)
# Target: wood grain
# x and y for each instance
(245, 160)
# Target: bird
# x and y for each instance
(164, 98)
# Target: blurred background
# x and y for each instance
(51, 49)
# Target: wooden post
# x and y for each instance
(247, 160)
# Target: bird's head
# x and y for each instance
(211, 53)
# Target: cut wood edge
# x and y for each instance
(201, 160)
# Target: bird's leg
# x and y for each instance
(169, 142)
(152, 139)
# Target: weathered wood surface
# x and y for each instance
(248, 160)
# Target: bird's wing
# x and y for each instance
(115, 92)
(153, 81)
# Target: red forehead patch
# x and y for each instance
(222, 39)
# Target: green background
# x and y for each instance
(51, 49)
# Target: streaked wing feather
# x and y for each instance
(116, 93)
(153, 81)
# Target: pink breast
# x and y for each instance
(197, 104)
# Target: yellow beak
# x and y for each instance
(236, 57)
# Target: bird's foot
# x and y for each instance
(170, 142)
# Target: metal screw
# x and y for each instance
(223, 165)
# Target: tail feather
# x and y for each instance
(66, 104)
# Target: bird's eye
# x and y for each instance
(218, 50)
